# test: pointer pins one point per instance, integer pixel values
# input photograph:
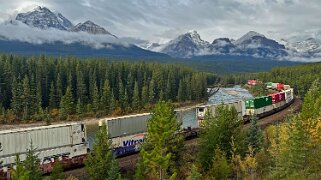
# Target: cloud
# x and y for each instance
(24, 33)
(160, 20)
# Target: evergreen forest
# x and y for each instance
(48, 88)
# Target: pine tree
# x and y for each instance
(66, 104)
(26, 96)
(52, 96)
(144, 99)
(136, 99)
(106, 97)
(101, 164)
(152, 93)
(17, 101)
(195, 175)
(255, 136)
(95, 98)
(57, 171)
(163, 142)
(32, 164)
(220, 168)
(181, 94)
(20, 172)
(79, 109)
(218, 131)
(59, 88)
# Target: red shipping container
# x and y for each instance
(282, 96)
(251, 82)
(276, 97)
(280, 86)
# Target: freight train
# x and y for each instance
(258, 106)
(68, 142)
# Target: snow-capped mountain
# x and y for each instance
(91, 28)
(186, 45)
(251, 44)
(43, 18)
(252, 40)
(256, 44)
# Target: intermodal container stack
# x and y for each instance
(251, 82)
(258, 102)
(280, 86)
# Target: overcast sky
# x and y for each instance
(160, 20)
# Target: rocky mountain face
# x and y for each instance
(43, 18)
(91, 28)
(185, 45)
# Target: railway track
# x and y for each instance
(128, 163)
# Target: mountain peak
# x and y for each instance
(41, 9)
(247, 36)
(43, 18)
(90, 27)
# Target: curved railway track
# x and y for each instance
(128, 163)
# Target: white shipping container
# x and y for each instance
(201, 110)
(49, 141)
(127, 125)
(288, 95)
(275, 85)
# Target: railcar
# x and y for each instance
(64, 142)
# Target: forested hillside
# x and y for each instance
(299, 77)
(48, 88)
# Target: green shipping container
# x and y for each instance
(268, 84)
(258, 102)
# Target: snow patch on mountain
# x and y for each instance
(43, 18)
(90, 28)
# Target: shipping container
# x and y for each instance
(252, 82)
(282, 96)
(127, 125)
(275, 85)
(258, 102)
(286, 87)
(201, 110)
(277, 97)
(289, 95)
(268, 84)
(50, 142)
(280, 86)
